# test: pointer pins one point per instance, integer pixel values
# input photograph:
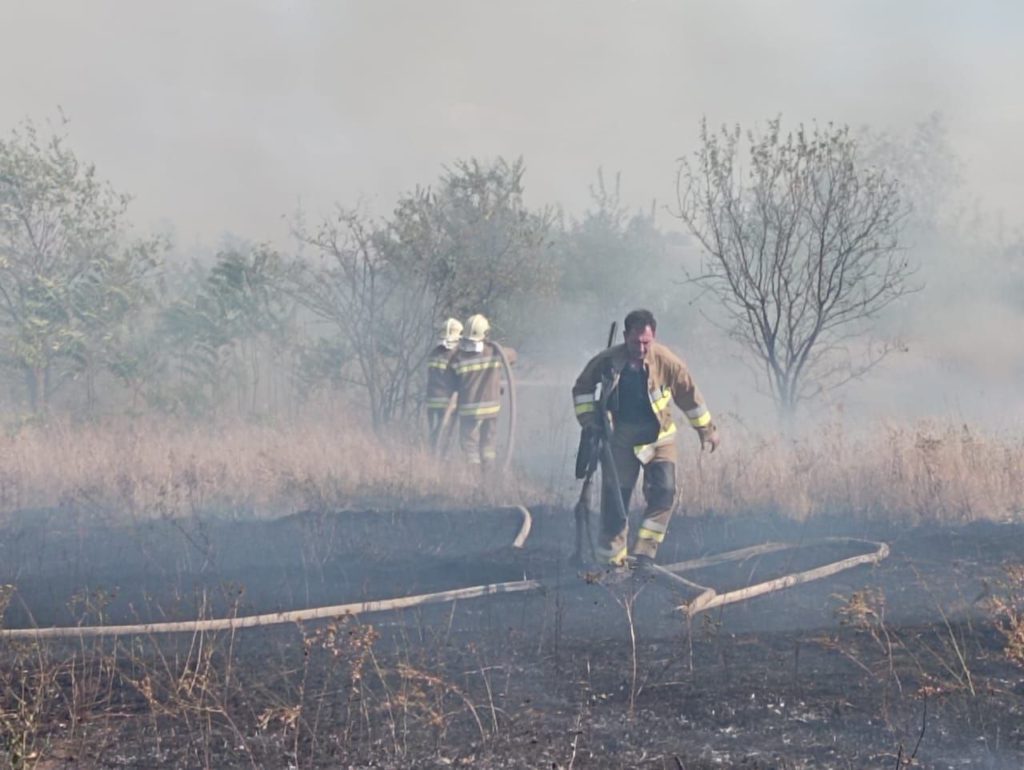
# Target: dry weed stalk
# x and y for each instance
(1006, 605)
(865, 611)
(185, 701)
(624, 591)
(937, 660)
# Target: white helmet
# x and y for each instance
(477, 327)
(451, 330)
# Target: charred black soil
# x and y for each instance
(907, 663)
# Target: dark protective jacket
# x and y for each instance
(441, 383)
(478, 378)
(668, 380)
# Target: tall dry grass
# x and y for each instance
(147, 467)
(924, 471)
(910, 472)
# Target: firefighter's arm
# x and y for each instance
(688, 397)
(451, 377)
(584, 394)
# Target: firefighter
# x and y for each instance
(440, 382)
(476, 370)
(639, 380)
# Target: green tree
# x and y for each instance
(803, 251)
(474, 240)
(69, 284)
(229, 331)
(612, 261)
(470, 245)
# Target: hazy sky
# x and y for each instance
(222, 116)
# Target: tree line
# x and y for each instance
(794, 241)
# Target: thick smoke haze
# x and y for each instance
(223, 117)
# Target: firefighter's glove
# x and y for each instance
(709, 438)
(589, 450)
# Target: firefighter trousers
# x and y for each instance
(435, 422)
(659, 489)
(479, 440)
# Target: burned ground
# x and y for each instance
(868, 668)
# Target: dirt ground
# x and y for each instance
(900, 664)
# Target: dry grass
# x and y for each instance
(333, 695)
(145, 467)
(149, 467)
(909, 472)
(1006, 605)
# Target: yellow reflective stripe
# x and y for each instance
(476, 404)
(472, 410)
(660, 403)
(644, 452)
(649, 534)
(702, 421)
(667, 433)
(437, 403)
(653, 526)
(584, 403)
(614, 557)
(437, 364)
(477, 366)
(699, 416)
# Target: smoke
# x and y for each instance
(221, 117)
(224, 118)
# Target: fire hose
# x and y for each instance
(707, 599)
(510, 438)
(291, 616)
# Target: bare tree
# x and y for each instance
(386, 315)
(803, 251)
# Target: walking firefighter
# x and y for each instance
(441, 384)
(476, 368)
(624, 398)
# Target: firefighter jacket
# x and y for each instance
(668, 379)
(440, 381)
(476, 370)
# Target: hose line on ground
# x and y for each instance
(705, 601)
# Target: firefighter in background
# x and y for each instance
(476, 370)
(441, 384)
(639, 380)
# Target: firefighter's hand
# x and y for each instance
(587, 455)
(709, 438)
(591, 437)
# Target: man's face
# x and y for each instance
(638, 342)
